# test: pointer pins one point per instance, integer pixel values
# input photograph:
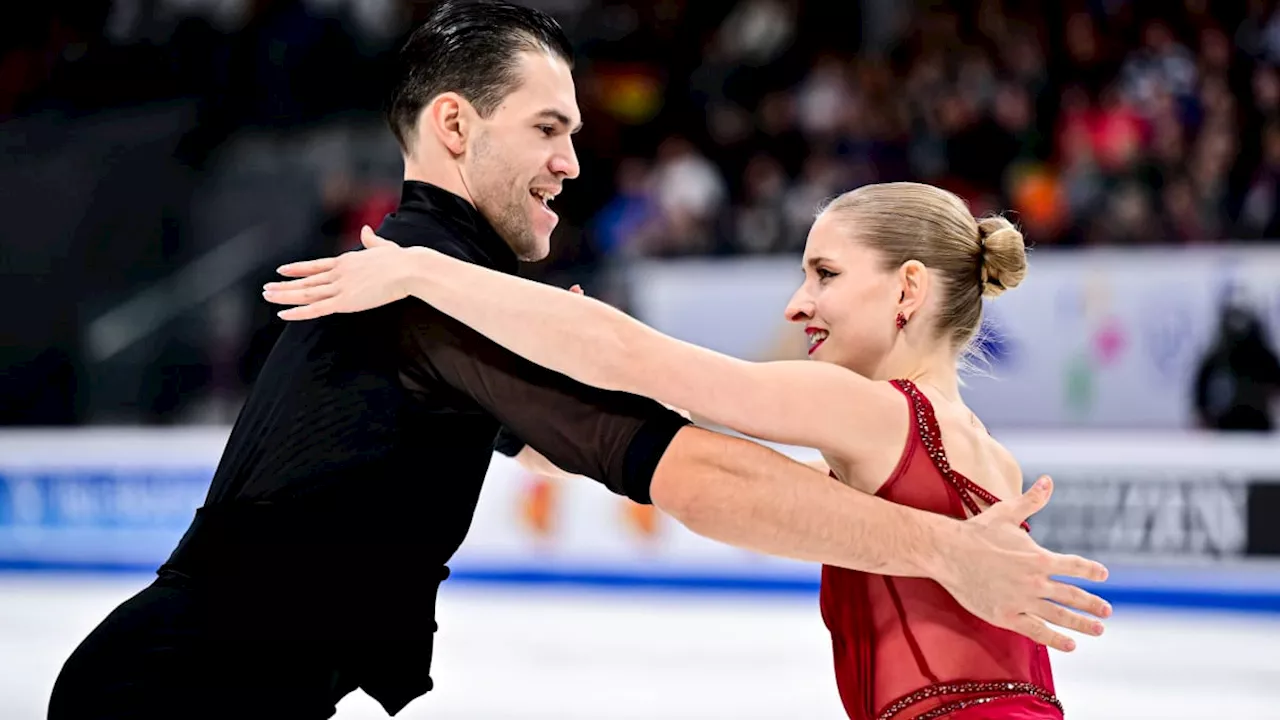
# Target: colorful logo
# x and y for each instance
(1104, 339)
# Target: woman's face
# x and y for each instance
(848, 302)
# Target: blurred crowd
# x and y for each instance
(718, 128)
(1092, 122)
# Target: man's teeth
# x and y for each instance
(544, 196)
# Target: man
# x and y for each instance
(352, 473)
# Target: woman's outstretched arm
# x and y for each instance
(803, 403)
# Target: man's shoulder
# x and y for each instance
(423, 230)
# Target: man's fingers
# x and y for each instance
(309, 312)
(300, 296)
(1074, 597)
(1064, 618)
(1077, 567)
(1034, 628)
(1028, 503)
(307, 267)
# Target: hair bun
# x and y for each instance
(1003, 256)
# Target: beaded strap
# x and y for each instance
(1001, 690)
(931, 435)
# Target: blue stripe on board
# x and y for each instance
(1185, 598)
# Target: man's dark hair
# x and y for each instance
(472, 48)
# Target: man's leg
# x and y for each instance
(138, 662)
(158, 656)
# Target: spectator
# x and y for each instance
(1239, 376)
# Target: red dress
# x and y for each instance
(904, 648)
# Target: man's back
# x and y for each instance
(349, 479)
(342, 420)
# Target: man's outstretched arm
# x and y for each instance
(745, 494)
(739, 492)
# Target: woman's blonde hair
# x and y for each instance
(971, 258)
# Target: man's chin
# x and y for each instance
(532, 248)
(539, 239)
(535, 254)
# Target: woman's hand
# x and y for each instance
(358, 280)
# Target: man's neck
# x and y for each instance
(444, 175)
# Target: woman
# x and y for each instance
(895, 275)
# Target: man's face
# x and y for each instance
(520, 156)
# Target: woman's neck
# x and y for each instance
(937, 371)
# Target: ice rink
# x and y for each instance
(527, 653)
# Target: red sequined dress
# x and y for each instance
(904, 648)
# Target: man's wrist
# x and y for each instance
(940, 537)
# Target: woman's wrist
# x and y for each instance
(419, 271)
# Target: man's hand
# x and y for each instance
(996, 571)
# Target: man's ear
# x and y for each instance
(447, 118)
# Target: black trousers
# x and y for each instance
(159, 656)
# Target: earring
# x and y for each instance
(902, 321)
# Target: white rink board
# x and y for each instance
(103, 499)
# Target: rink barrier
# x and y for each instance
(1184, 521)
(1118, 594)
